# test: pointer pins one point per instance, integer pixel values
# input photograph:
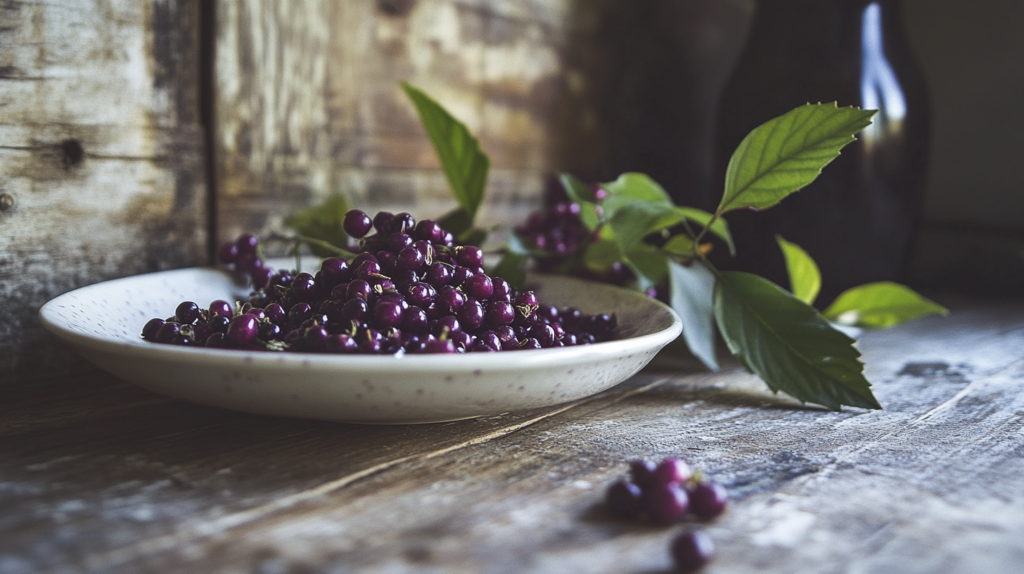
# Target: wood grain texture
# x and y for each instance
(98, 476)
(308, 102)
(100, 148)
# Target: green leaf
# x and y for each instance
(680, 245)
(719, 227)
(456, 221)
(804, 277)
(323, 222)
(473, 236)
(512, 268)
(589, 216)
(648, 264)
(788, 344)
(577, 191)
(631, 187)
(880, 305)
(465, 164)
(692, 295)
(786, 153)
(600, 255)
(632, 221)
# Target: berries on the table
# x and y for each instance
(409, 289)
(670, 490)
(708, 499)
(692, 550)
(665, 503)
(671, 470)
(623, 499)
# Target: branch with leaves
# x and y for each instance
(632, 221)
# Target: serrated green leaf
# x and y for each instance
(680, 245)
(629, 188)
(577, 191)
(600, 255)
(692, 296)
(465, 164)
(785, 154)
(719, 227)
(804, 277)
(648, 264)
(881, 305)
(324, 222)
(788, 344)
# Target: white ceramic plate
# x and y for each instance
(103, 322)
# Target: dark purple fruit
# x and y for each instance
(641, 471)
(228, 253)
(708, 500)
(624, 499)
(665, 503)
(691, 551)
(671, 470)
(151, 328)
(241, 330)
(356, 223)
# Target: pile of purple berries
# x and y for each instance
(665, 493)
(409, 289)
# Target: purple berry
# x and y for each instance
(671, 470)
(665, 503)
(428, 230)
(381, 221)
(469, 256)
(398, 241)
(247, 243)
(356, 309)
(401, 223)
(708, 500)
(410, 258)
(218, 323)
(356, 223)
(152, 327)
(358, 260)
(691, 551)
(414, 320)
(450, 300)
(299, 313)
(479, 287)
(241, 330)
(358, 289)
(275, 314)
(215, 341)
(499, 313)
(333, 271)
(228, 253)
(641, 471)
(387, 314)
(624, 499)
(439, 274)
(367, 269)
(261, 277)
(544, 334)
(528, 344)
(471, 315)
(421, 294)
(303, 287)
(167, 332)
(501, 289)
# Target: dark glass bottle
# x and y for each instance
(858, 219)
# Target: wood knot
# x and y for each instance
(6, 202)
(73, 152)
(396, 8)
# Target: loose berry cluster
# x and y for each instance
(558, 231)
(410, 289)
(664, 494)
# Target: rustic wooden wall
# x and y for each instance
(100, 154)
(308, 101)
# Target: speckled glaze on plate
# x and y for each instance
(103, 322)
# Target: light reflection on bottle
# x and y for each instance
(879, 88)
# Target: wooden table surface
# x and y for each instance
(97, 475)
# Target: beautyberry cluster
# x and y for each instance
(665, 492)
(410, 288)
(243, 254)
(559, 232)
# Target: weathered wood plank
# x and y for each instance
(100, 149)
(134, 482)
